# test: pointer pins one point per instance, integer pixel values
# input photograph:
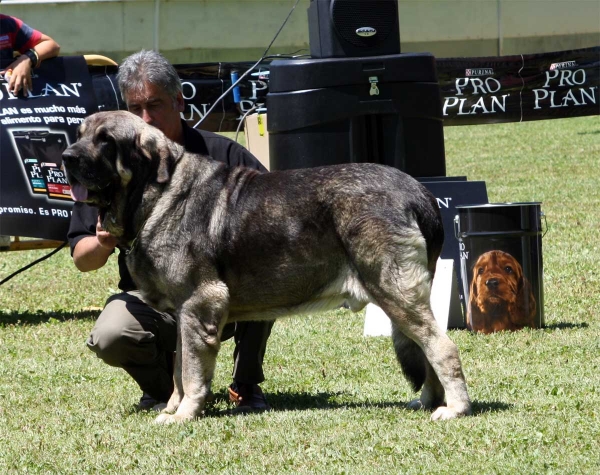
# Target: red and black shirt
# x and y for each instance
(15, 36)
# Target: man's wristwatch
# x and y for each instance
(33, 56)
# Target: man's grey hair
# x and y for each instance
(147, 66)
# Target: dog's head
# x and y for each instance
(114, 159)
(500, 290)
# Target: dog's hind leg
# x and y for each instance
(399, 281)
(441, 374)
(417, 371)
(199, 328)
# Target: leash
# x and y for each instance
(30, 265)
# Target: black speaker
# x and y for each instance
(351, 28)
(329, 111)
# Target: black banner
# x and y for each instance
(449, 195)
(520, 88)
(35, 198)
(482, 90)
(202, 85)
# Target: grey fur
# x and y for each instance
(214, 244)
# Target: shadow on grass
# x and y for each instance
(281, 402)
(37, 318)
(565, 326)
(591, 132)
(483, 407)
(303, 401)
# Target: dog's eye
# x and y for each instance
(101, 136)
(508, 269)
(480, 271)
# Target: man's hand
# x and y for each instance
(105, 239)
(92, 252)
(18, 75)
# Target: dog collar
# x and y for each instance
(131, 246)
(135, 239)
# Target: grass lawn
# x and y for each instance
(338, 397)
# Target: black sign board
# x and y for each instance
(35, 198)
(449, 195)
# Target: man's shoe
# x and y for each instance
(247, 398)
(148, 403)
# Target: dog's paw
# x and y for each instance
(165, 418)
(169, 408)
(444, 413)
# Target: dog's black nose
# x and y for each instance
(69, 156)
(492, 283)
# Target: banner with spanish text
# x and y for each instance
(35, 197)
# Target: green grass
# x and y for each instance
(338, 398)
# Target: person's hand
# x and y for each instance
(18, 75)
(105, 239)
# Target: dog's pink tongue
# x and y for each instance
(79, 192)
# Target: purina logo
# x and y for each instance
(479, 72)
(366, 31)
(565, 65)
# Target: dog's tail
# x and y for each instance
(429, 220)
(409, 354)
(411, 358)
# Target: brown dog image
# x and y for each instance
(500, 297)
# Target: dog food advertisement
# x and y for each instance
(477, 90)
(519, 88)
(501, 266)
(35, 197)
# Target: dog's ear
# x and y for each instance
(158, 149)
(472, 306)
(165, 164)
(525, 305)
(473, 289)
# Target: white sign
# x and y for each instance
(377, 322)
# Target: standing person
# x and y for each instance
(128, 333)
(34, 47)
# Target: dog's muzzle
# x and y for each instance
(78, 180)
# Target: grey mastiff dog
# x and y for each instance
(212, 244)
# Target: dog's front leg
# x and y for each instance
(177, 396)
(199, 329)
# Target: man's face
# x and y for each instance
(157, 108)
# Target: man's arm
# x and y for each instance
(92, 252)
(47, 48)
(90, 244)
(36, 44)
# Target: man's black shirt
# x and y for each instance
(222, 149)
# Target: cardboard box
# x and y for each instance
(257, 137)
